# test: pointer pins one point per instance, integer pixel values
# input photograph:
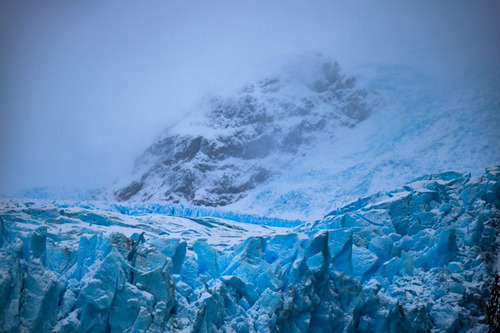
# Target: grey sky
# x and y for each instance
(86, 86)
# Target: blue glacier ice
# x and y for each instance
(420, 258)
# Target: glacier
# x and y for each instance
(420, 258)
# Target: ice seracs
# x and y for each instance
(418, 258)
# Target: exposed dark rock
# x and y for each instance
(129, 191)
(493, 308)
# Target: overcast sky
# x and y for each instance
(86, 86)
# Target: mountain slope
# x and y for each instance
(419, 128)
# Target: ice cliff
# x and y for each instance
(419, 258)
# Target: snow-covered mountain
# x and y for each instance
(309, 138)
(416, 259)
(234, 144)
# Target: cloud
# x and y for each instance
(85, 87)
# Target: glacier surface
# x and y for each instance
(419, 258)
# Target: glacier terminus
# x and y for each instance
(417, 258)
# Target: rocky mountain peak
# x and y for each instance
(234, 142)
